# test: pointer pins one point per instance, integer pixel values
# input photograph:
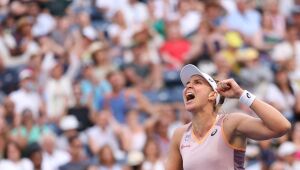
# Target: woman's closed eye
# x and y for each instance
(198, 82)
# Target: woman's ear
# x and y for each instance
(212, 96)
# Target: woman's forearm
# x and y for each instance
(270, 116)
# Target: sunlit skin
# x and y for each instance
(200, 88)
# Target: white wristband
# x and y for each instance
(247, 98)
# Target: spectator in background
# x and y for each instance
(135, 12)
(267, 36)
(214, 13)
(58, 93)
(223, 67)
(9, 115)
(81, 110)
(16, 48)
(78, 159)
(295, 136)
(63, 32)
(143, 70)
(122, 99)
(287, 53)
(102, 62)
(267, 154)
(254, 76)
(93, 91)
(134, 132)
(119, 32)
(34, 152)
(286, 153)
(3, 9)
(234, 42)
(175, 49)
(107, 159)
(28, 131)
(8, 79)
(53, 158)
(278, 20)
(161, 135)
(45, 23)
(295, 17)
(283, 94)
(245, 19)
(152, 156)
(104, 132)
(189, 18)
(27, 97)
(69, 126)
(3, 136)
(13, 158)
(205, 43)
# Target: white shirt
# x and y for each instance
(23, 164)
(112, 6)
(58, 95)
(285, 50)
(189, 22)
(102, 137)
(54, 161)
(135, 14)
(158, 165)
(26, 100)
(285, 101)
(7, 42)
(137, 139)
(45, 23)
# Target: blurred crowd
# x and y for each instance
(94, 84)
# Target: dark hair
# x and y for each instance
(31, 149)
(279, 69)
(7, 146)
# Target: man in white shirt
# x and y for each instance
(53, 158)
(26, 97)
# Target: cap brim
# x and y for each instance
(190, 70)
(187, 72)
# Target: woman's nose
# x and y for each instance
(188, 85)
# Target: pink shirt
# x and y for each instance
(212, 152)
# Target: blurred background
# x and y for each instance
(94, 84)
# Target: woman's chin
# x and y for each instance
(189, 107)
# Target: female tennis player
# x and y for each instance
(215, 141)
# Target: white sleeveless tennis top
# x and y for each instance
(212, 152)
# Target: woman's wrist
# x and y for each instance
(247, 98)
(240, 92)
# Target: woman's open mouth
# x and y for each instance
(189, 96)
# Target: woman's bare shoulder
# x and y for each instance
(180, 131)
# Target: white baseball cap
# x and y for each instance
(26, 73)
(68, 122)
(190, 70)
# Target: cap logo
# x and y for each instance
(211, 80)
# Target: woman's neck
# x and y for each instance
(202, 123)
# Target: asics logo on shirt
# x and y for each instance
(214, 132)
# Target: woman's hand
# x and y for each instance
(229, 88)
